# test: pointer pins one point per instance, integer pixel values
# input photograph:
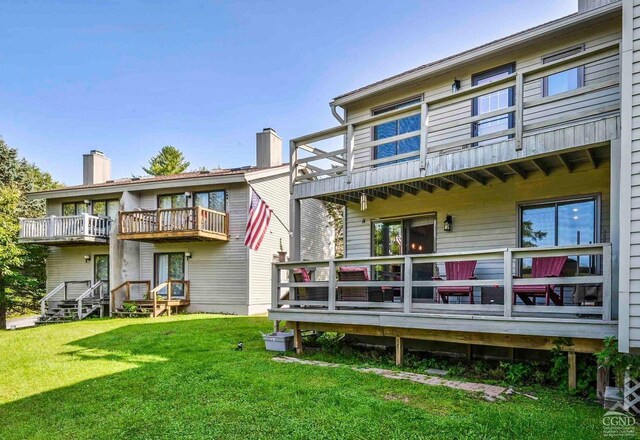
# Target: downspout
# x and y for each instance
(336, 114)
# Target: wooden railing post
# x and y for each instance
(331, 298)
(606, 284)
(508, 283)
(52, 226)
(293, 167)
(424, 132)
(350, 156)
(199, 220)
(407, 297)
(275, 290)
(519, 101)
(85, 224)
(159, 220)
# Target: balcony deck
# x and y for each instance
(552, 131)
(65, 230)
(174, 225)
(501, 321)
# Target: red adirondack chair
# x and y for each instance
(457, 270)
(542, 267)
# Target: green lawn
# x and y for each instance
(181, 377)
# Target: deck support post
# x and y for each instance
(602, 380)
(469, 352)
(297, 338)
(276, 326)
(572, 370)
(399, 351)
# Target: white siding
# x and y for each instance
(217, 270)
(68, 264)
(484, 217)
(316, 233)
(275, 192)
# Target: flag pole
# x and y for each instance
(274, 214)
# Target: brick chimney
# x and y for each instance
(268, 149)
(96, 168)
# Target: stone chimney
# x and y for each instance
(268, 149)
(587, 5)
(96, 168)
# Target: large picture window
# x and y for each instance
(215, 200)
(562, 223)
(107, 208)
(394, 128)
(75, 208)
(491, 102)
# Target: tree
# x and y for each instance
(169, 161)
(10, 252)
(22, 267)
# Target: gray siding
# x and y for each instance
(68, 264)
(275, 192)
(526, 57)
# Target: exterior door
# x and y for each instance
(420, 239)
(170, 267)
(101, 273)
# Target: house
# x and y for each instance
(489, 197)
(164, 243)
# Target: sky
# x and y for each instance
(129, 77)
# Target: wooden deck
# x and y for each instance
(509, 316)
(174, 225)
(161, 300)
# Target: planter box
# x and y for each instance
(279, 341)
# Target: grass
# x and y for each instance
(181, 377)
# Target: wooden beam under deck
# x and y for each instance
(580, 345)
(167, 236)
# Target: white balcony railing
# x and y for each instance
(584, 291)
(68, 226)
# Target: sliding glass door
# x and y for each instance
(170, 266)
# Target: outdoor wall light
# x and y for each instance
(448, 223)
(87, 258)
(187, 194)
(455, 86)
(87, 202)
(187, 255)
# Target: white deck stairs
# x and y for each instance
(57, 308)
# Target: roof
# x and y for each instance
(484, 49)
(133, 183)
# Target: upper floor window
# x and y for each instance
(491, 102)
(215, 200)
(75, 208)
(172, 201)
(566, 80)
(393, 128)
(107, 208)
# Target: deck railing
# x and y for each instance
(496, 270)
(140, 290)
(193, 218)
(311, 159)
(83, 225)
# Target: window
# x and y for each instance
(170, 266)
(491, 102)
(74, 208)
(562, 223)
(107, 208)
(170, 201)
(566, 80)
(215, 200)
(394, 128)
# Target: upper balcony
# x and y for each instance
(65, 230)
(538, 128)
(177, 224)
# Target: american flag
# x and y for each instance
(259, 218)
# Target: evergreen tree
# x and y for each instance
(169, 161)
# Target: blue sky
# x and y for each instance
(129, 77)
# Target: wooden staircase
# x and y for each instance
(152, 302)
